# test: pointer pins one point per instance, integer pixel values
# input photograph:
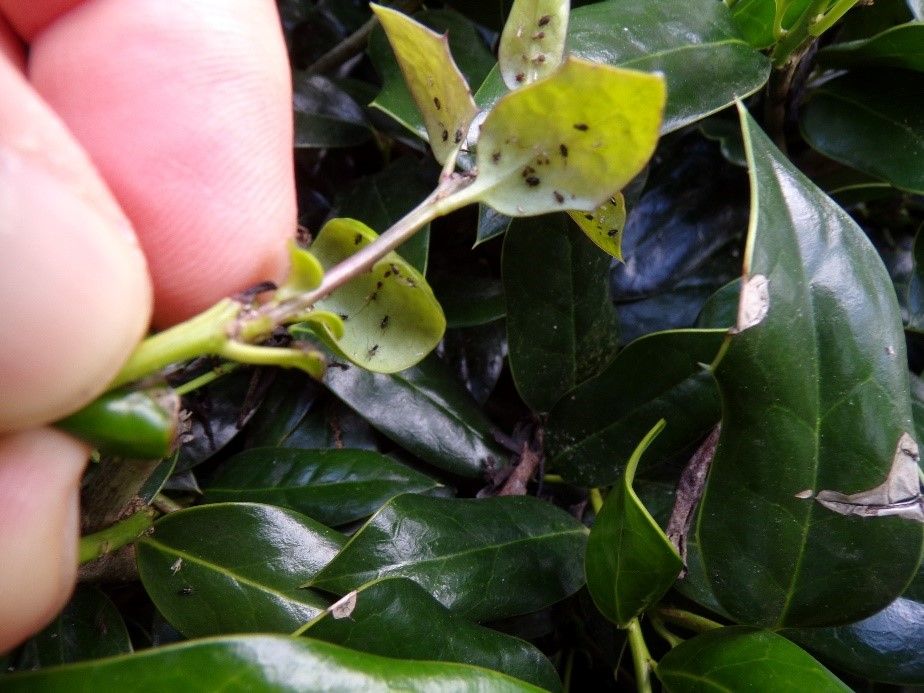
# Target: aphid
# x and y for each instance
(539, 58)
(495, 157)
(343, 316)
(357, 239)
(545, 19)
(185, 591)
(387, 274)
(372, 350)
(384, 323)
(559, 198)
(612, 233)
(436, 102)
(528, 171)
(589, 217)
(563, 148)
(583, 127)
(539, 36)
(532, 181)
(458, 137)
(378, 285)
(520, 77)
(445, 135)
(394, 269)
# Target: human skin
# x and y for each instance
(145, 172)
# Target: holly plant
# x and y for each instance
(595, 368)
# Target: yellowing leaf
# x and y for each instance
(568, 141)
(533, 42)
(604, 226)
(438, 87)
(390, 318)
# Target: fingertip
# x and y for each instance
(40, 472)
(192, 129)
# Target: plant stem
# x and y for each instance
(831, 17)
(441, 201)
(115, 537)
(351, 46)
(641, 658)
(166, 505)
(200, 335)
(793, 39)
(206, 378)
(687, 619)
(661, 629)
(553, 479)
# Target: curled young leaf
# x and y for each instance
(533, 41)
(439, 89)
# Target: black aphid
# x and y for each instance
(583, 127)
(532, 181)
(545, 19)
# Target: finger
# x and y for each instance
(76, 297)
(11, 47)
(186, 109)
(39, 479)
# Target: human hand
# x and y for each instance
(160, 124)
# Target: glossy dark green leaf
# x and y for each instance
(470, 301)
(476, 355)
(468, 50)
(287, 402)
(332, 486)
(721, 310)
(426, 411)
(382, 199)
(332, 424)
(325, 116)
(899, 46)
(682, 239)
(485, 559)
(915, 302)
(740, 658)
(261, 663)
(491, 224)
(235, 568)
(561, 326)
(888, 646)
(395, 617)
(756, 20)
(872, 121)
(592, 431)
(815, 397)
(218, 412)
(727, 132)
(694, 44)
(630, 562)
(89, 627)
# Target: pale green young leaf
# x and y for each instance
(391, 319)
(532, 44)
(604, 225)
(567, 141)
(438, 87)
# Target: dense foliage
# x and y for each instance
(667, 434)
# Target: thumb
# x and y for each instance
(76, 294)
